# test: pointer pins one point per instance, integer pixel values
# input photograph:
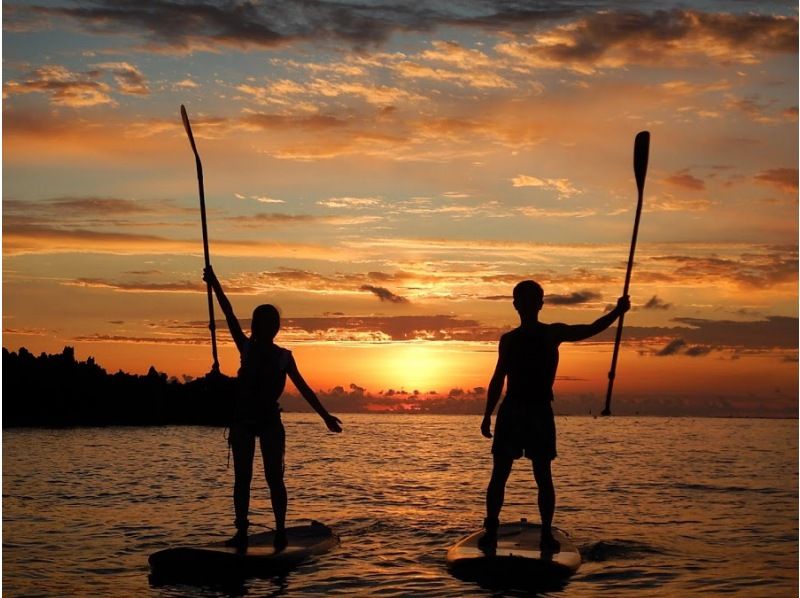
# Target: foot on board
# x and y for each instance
(239, 540)
(488, 542)
(548, 544)
(280, 541)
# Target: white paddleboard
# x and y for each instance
(259, 558)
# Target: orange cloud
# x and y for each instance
(563, 187)
(784, 179)
(65, 87)
(480, 79)
(31, 239)
(686, 180)
(79, 89)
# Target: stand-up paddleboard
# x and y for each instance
(516, 558)
(259, 558)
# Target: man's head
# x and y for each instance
(266, 322)
(528, 297)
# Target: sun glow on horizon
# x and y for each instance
(385, 177)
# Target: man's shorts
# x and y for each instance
(525, 429)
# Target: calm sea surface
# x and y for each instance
(658, 506)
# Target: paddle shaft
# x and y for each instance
(211, 323)
(641, 150)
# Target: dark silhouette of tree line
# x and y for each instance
(57, 391)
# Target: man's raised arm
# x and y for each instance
(579, 332)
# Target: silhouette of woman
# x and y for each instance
(261, 380)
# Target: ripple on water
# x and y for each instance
(84, 508)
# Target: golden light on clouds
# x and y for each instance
(387, 175)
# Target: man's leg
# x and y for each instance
(496, 491)
(547, 499)
(495, 494)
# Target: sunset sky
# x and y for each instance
(385, 172)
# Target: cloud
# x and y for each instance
(351, 202)
(278, 219)
(572, 298)
(784, 179)
(753, 270)
(295, 279)
(185, 84)
(692, 88)
(750, 107)
(69, 207)
(95, 212)
(183, 286)
(79, 89)
(314, 122)
(774, 331)
(599, 38)
(480, 79)
(563, 187)
(383, 294)
(64, 87)
(149, 340)
(666, 202)
(686, 181)
(768, 334)
(679, 347)
(655, 303)
(129, 79)
(192, 25)
(272, 218)
(698, 339)
(259, 198)
(533, 212)
(23, 239)
(698, 351)
(281, 92)
(672, 348)
(395, 328)
(140, 287)
(616, 39)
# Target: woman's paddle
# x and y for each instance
(211, 325)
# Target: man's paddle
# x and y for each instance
(211, 325)
(641, 151)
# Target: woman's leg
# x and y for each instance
(273, 443)
(243, 445)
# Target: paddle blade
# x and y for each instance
(641, 151)
(188, 127)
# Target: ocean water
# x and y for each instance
(658, 506)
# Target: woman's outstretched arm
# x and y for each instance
(233, 324)
(333, 422)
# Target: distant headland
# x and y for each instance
(57, 390)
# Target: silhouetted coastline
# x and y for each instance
(59, 391)
(56, 390)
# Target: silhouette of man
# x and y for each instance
(260, 381)
(528, 359)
